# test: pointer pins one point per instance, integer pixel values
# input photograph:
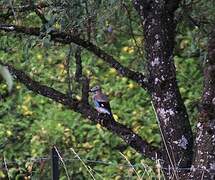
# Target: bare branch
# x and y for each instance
(209, 73)
(66, 38)
(85, 89)
(19, 9)
(171, 6)
(204, 142)
(142, 7)
(67, 65)
(131, 28)
(39, 11)
(88, 112)
(84, 81)
(78, 62)
(89, 23)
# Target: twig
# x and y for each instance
(131, 28)
(158, 168)
(91, 169)
(83, 163)
(130, 165)
(6, 168)
(203, 173)
(14, 13)
(85, 89)
(20, 9)
(64, 165)
(66, 38)
(40, 14)
(84, 81)
(78, 62)
(88, 21)
(164, 141)
(147, 169)
(68, 59)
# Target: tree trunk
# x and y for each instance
(159, 33)
(204, 160)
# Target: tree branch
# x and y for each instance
(131, 28)
(78, 63)
(69, 77)
(159, 34)
(40, 14)
(204, 142)
(85, 89)
(142, 6)
(23, 8)
(66, 38)
(171, 6)
(88, 112)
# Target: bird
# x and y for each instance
(100, 100)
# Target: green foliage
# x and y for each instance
(31, 124)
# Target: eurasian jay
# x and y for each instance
(101, 101)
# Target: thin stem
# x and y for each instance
(68, 58)
(64, 165)
(164, 141)
(5, 165)
(83, 163)
(131, 166)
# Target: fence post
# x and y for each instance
(55, 164)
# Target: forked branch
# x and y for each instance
(88, 112)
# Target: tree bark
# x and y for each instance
(204, 161)
(159, 32)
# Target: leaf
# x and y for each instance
(7, 77)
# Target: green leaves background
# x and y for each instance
(31, 124)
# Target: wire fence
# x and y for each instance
(48, 158)
(59, 162)
(100, 162)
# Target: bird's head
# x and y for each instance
(95, 89)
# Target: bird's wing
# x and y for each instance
(101, 101)
(105, 105)
(102, 97)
